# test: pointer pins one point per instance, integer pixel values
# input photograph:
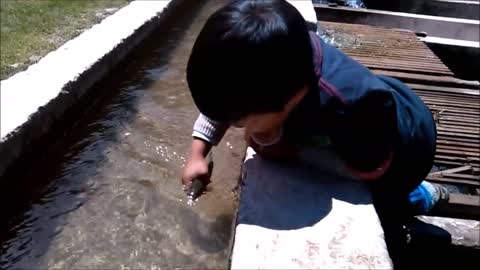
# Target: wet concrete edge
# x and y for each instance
(39, 124)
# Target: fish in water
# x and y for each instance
(197, 186)
(195, 190)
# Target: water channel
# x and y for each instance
(107, 193)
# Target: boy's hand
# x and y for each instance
(197, 165)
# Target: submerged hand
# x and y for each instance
(195, 167)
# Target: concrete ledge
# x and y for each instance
(297, 217)
(461, 56)
(444, 27)
(451, 42)
(446, 8)
(33, 100)
(464, 232)
(305, 7)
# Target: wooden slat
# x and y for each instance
(454, 170)
(455, 103)
(445, 180)
(459, 206)
(462, 176)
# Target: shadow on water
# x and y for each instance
(104, 194)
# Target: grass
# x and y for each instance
(32, 28)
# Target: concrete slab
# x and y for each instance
(293, 217)
(464, 232)
(461, 56)
(452, 42)
(32, 100)
(445, 8)
(435, 26)
(305, 7)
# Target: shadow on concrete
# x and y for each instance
(285, 196)
(430, 247)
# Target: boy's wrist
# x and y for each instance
(199, 148)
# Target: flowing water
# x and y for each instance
(107, 193)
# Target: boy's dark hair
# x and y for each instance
(250, 57)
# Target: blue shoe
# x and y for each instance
(426, 196)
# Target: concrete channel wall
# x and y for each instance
(445, 8)
(444, 27)
(32, 101)
(297, 217)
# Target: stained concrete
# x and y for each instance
(33, 100)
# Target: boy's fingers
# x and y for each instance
(187, 180)
(185, 184)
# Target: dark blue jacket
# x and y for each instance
(366, 116)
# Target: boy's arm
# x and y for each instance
(209, 130)
(206, 133)
(365, 135)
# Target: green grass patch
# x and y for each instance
(32, 28)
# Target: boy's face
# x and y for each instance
(268, 124)
(263, 127)
(262, 122)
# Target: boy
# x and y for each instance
(256, 65)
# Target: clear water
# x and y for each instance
(107, 194)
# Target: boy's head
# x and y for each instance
(251, 57)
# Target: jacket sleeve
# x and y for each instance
(364, 134)
(209, 130)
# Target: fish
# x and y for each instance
(197, 186)
(195, 190)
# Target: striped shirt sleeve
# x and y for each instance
(209, 130)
